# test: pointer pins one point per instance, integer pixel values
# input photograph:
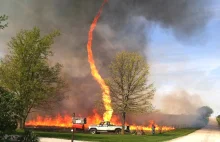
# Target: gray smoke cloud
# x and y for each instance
(162, 119)
(180, 102)
(177, 108)
(123, 25)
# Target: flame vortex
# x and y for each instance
(105, 89)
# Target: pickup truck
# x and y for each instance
(106, 126)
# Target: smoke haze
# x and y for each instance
(179, 102)
(124, 24)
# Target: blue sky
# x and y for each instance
(194, 66)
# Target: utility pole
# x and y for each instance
(73, 121)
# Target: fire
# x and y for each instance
(148, 128)
(105, 89)
(66, 120)
(95, 118)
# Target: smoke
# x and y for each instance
(177, 121)
(177, 108)
(180, 102)
(124, 24)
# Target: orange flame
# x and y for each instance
(105, 89)
(95, 118)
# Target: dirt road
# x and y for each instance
(211, 133)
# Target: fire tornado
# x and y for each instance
(105, 89)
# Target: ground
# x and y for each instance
(46, 136)
(211, 133)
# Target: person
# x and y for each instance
(73, 118)
(101, 123)
(153, 129)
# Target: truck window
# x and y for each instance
(105, 123)
(101, 123)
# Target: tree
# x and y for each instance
(26, 72)
(218, 119)
(8, 118)
(128, 83)
(2, 19)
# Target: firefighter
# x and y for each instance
(153, 129)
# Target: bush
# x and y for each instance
(8, 118)
(8, 121)
(29, 136)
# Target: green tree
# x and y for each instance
(128, 82)
(218, 119)
(27, 73)
(8, 117)
(3, 18)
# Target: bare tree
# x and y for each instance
(128, 83)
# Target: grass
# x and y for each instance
(119, 138)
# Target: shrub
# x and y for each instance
(8, 121)
(29, 136)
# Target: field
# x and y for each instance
(119, 138)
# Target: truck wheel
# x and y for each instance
(93, 131)
(117, 131)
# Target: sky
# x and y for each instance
(193, 66)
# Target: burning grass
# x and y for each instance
(66, 122)
(113, 138)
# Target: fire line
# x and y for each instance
(65, 121)
(105, 89)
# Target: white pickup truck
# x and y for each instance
(106, 126)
